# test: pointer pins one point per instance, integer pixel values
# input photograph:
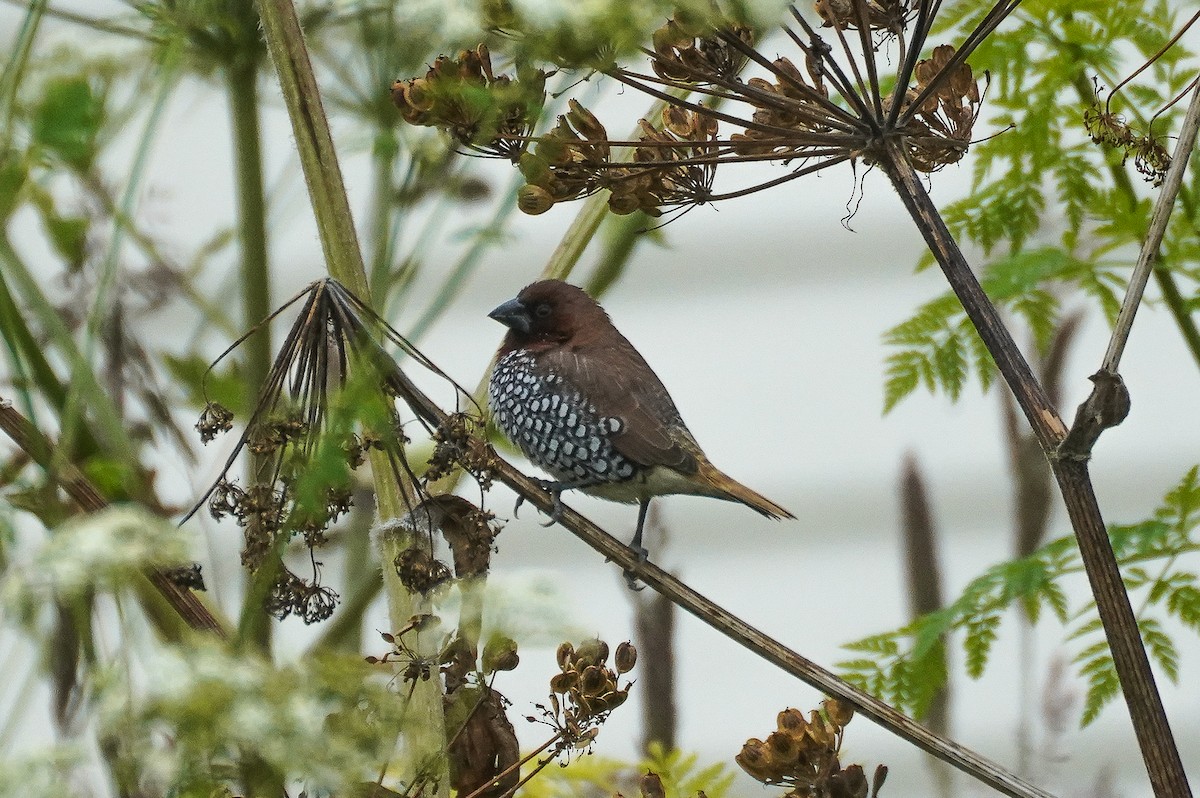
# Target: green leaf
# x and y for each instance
(67, 121)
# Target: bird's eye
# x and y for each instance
(542, 311)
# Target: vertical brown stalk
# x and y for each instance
(1159, 752)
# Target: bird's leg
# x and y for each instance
(636, 543)
(555, 489)
(637, 547)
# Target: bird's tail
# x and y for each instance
(728, 488)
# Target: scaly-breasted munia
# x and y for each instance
(583, 405)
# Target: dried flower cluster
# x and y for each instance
(940, 131)
(489, 113)
(802, 753)
(671, 166)
(807, 119)
(891, 16)
(589, 691)
(1109, 129)
(328, 402)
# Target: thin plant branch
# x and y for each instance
(732, 626)
(186, 604)
(1154, 235)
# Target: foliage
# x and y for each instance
(1058, 216)
(904, 666)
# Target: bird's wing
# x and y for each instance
(620, 384)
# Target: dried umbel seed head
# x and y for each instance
(940, 131)
(888, 16)
(214, 419)
(681, 55)
(488, 112)
(803, 753)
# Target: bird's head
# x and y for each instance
(550, 313)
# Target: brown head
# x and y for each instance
(548, 314)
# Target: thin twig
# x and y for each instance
(31, 441)
(734, 627)
(1154, 235)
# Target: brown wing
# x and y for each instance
(619, 382)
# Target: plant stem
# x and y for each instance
(426, 739)
(734, 627)
(1163, 206)
(241, 87)
(1157, 744)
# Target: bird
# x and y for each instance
(583, 405)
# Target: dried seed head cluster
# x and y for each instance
(585, 691)
(802, 753)
(460, 442)
(488, 113)
(940, 131)
(682, 52)
(328, 401)
(807, 118)
(1109, 129)
(890, 16)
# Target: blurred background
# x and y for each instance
(765, 318)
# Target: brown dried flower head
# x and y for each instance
(802, 753)
(940, 131)
(586, 690)
(490, 113)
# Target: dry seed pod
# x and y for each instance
(838, 712)
(755, 759)
(626, 657)
(651, 786)
(791, 722)
(564, 682)
(783, 747)
(534, 200)
(592, 652)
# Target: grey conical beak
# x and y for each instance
(513, 314)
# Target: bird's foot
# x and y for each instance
(555, 490)
(631, 578)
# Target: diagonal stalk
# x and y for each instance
(1159, 751)
(1154, 236)
(731, 625)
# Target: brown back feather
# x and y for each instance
(615, 378)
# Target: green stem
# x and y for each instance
(13, 70)
(1178, 307)
(241, 87)
(426, 739)
(379, 232)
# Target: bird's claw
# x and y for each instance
(555, 490)
(631, 578)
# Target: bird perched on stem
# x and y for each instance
(583, 405)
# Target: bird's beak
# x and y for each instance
(513, 314)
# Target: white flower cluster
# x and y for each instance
(323, 722)
(101, 550)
